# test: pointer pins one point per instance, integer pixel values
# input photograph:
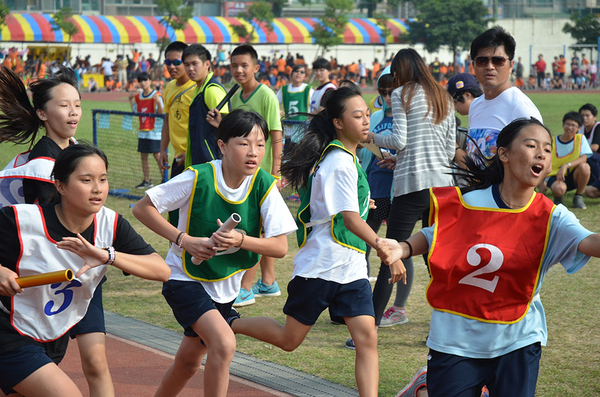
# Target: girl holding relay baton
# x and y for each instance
(58, 236)
(202, 294)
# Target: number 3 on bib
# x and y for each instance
(494, 264)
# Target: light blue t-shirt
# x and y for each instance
(453, 334)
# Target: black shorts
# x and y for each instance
(189, 301)
(148, 145)
(16, 365)
(384, 205)
(569, 181)
(93, 321)
(513, 374)
(308, 297)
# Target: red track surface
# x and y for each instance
(137, 371)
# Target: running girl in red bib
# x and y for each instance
(490, 247)
(77, 232)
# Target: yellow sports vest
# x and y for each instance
(557, 162)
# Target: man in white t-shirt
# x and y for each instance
(362, 72)
(492, 53)
(107, 69)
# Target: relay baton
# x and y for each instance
(232, 91)
(45, 278)
(228, 226)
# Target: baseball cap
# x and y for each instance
(462, 82)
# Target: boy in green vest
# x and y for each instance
(201, 295)
(294, 98)
(261, 99)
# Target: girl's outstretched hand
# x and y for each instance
(8, 284)
(92, 255)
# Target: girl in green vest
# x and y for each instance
(330, 268)
(201, 294)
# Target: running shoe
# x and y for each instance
(418, 382)
(244, 298)
(262, 289)
(145, 185)
(350, 344)
(578, 202)
(393, 316)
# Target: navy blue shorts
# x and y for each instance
(514, 374)
(148, 145)
(189, 301)
(569, 180)
(308, 297)
(93, 321)
(16, 365)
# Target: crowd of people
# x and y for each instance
(399, 159)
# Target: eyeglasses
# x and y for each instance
(300, 71)
(175, 62)
(496, 61)
(384, 93)
(457, 97)
(571, 125)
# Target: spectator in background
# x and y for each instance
(122, 70)
(562, 71)
(540, 68)
(593, 72)
(555, 67)
(92, 85)
(107, 70)
(591, 130)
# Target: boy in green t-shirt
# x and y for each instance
(261, 99)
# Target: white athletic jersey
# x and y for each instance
(11, 177)
(47, 312)
(315, 99)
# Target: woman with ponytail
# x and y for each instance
(56, 109)
(489, 250)
(423, 136)
(330, 268)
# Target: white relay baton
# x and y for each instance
(228, 226)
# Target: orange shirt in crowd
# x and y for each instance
(353, 68)
(300, 61)
(519, 83)
(136, 56)
(288, 70)
(444, 83)
(42, 72)
(443, 69)
(281, 65)
(376, 68)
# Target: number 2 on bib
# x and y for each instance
(494, 264)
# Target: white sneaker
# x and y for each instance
(393, 316)
(418, 382)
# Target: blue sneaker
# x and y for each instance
(262, 289)
(244, 298)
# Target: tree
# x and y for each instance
(439, 25)
(175, 16)
(585, 30)
(63, 20)
(329, 32)
(4, 11)
(278, 7)
(256, 13)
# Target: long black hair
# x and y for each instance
(297, 165)
(483, 172)
(19, 122)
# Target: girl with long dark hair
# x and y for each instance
(330, 268)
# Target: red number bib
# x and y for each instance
(485, 262)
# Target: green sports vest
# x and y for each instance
(208, 204)
(339, 232)
(295, 102)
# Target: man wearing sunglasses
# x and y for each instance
(492, 53)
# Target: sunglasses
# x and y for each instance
(175, 62)
(496, 61)
(384, 93)
(300, 71)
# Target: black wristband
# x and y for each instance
(410, 249)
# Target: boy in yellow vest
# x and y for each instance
(570, 169)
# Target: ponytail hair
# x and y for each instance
(483, 172)
(297, 165)
(19, 122)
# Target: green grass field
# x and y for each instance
(570, 363)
